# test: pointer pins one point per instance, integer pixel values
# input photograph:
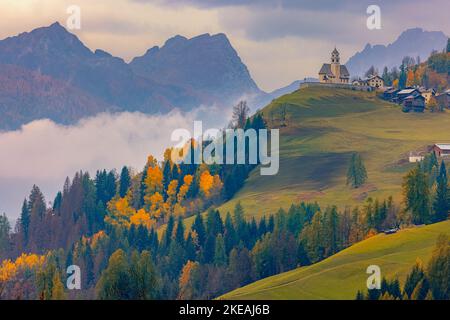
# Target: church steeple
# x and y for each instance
(335, 56)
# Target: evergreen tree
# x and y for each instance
(125, 182)
(199, 229)
(25, 222)
(413, 278)
(402, 77)
(220, 256)
(441, 202)
(356, 174)
(417, 196)
(5, 229)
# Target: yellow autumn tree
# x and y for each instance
(157, 206)
(119, 212)
(57, 288)
(187, 182)
(9, 268)
(141, 217)
(172, 192)
(410, 78)
(395, 83)
(206, 183)
(185, 285)
(153, 183)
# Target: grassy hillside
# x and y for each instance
(341, 275)
(320, 128)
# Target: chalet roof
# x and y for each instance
(373, 77)
(443, 146)
(407, 91)
(414, 97)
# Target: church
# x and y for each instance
(334, 72)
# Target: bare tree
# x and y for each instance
(240, 114)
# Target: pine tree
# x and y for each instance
(25, 222)
(441, 202)
(417, 196)
(199, 229)
(402, 77)
(125, 182)
(356, 174)
(414, 277)
(220, 256)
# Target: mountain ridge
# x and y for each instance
(412, 42)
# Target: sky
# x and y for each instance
(279, 40)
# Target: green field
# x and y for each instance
(321, 129)
(342, 275)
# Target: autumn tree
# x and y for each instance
(240, 114)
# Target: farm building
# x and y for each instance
(416, 157)
(414, 103)
(402, 94)
(442, 149)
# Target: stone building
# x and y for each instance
(334, 72)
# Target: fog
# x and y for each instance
(45, 153)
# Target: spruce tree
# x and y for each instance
(356, 174)
(441, 204)
(125, 182)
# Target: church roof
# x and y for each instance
(335, 50)
(326, 69)
(344, 72)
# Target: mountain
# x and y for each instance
(182, 74)
(412, 42)
(26, 95)
(207, 65)
(343, 274)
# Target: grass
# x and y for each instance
(323, 127)
(343, 274)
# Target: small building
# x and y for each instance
(415, 157)
(334, 72)
(390, 94)
(414, 103)
(442, 149)
(402, 94)
(375, 81)
(427, 94)
(443, 99)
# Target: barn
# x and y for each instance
(442, 149)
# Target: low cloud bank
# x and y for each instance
(44, 153)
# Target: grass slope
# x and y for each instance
(341, 275)
(323, 127)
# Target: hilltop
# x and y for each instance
(343, 274)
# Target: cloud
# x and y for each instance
(44, 153)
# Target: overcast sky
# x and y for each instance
(279, 40)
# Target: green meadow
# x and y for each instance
(343, 274)
(320, 129)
